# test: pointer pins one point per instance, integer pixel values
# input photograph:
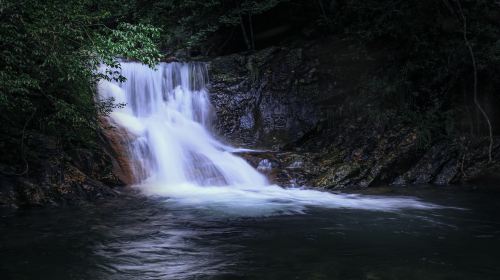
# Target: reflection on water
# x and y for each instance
(166, 246)
(148, 238)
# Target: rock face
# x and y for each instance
(57, 177)
(115, 141)
(386, 159)
(266, 99)
(310, 105)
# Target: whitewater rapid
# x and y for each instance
(167, 115)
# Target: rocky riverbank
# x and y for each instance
(314, 109)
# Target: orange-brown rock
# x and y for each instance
(118, 140)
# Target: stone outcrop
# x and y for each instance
(266, 99)
(396, 161)
(57, 177)
(115, 140)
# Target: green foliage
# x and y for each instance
(50, 53)
(136, 42)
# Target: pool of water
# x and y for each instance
(137, 237)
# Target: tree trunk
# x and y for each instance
(250, 24)
(474, 67)
(244, 33)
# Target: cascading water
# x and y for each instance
(167, 115)
(168, 112)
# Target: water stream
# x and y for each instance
(141, 238)
(167, 115)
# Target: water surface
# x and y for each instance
(151, 238)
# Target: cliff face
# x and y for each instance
(312, 107)
(115, 140)
(264, 100)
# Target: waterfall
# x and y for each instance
(166, 114)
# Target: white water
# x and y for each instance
(168, 115)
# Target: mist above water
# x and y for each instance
(167, 116)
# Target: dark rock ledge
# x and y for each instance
(58, 178)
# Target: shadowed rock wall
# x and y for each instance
(313, 108)
(264, 100)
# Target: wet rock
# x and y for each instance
(430, 166)
(357, 159)
(116, 141)
(338, 177)
(57, 177)
(266, 99)
(266, 165)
